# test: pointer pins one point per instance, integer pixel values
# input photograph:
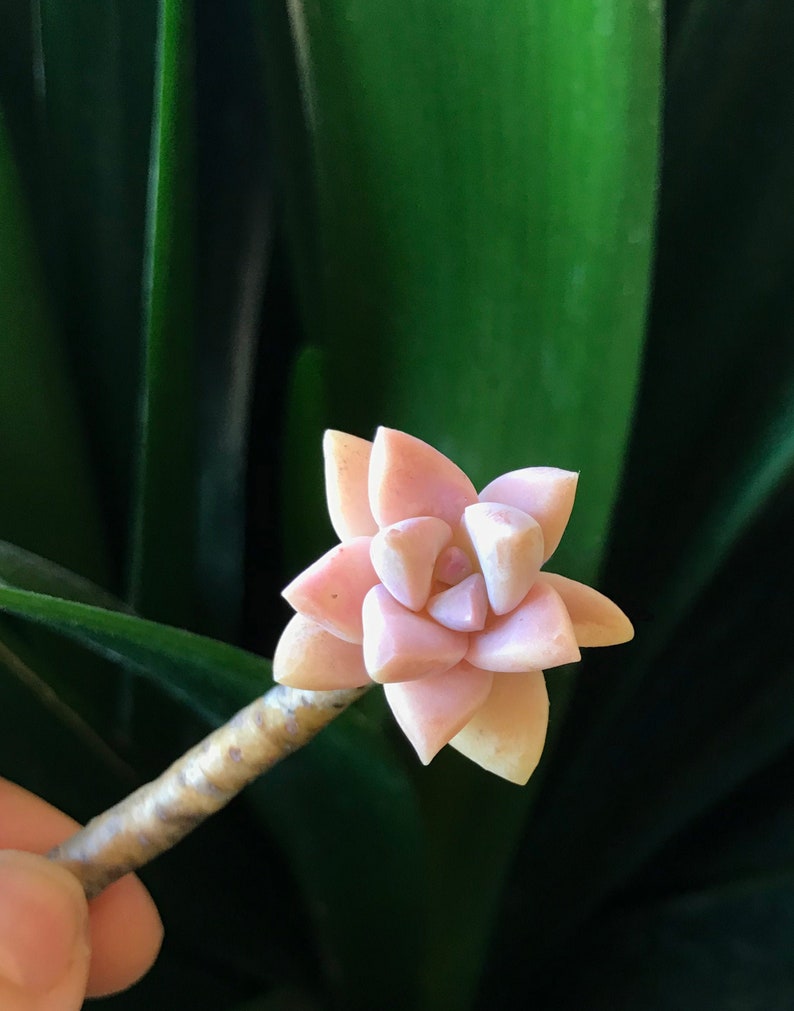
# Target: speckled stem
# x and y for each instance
(155, 817)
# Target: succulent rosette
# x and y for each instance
(438, 593)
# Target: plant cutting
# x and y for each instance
(529, 233)
(437, 593)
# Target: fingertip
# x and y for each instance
(44, 939)
(126, 933)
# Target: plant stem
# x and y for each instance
(155, 817)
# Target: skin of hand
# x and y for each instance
(55, 950)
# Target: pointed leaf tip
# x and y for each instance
(346, 482)
(509, 545)
(536, 635)
(332, 590)
(404, 556)
(545, 493)
(463, 607)
(431, 711)
(597, 621)
(407, 478)
(309, 656)
(507, 733)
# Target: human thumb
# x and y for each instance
(44, 948)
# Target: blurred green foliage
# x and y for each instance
(225, 227)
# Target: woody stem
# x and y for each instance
(157, 815)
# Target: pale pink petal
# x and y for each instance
(597, 621)
(308, 656)
(536, 635)
(463, 607)
(434, 709)
(546, 493)
(509, 546)
(404, 556)
(346, 484)
(402, 646)
(506, 735)
(409, 478)
(332, 590)
(452, 566)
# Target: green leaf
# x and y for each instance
(485, 187)
(726, 449)
(164, 525)
(213, 678)
(27, 571)
(96, 107)
(293, 161)
(487, 291)
(42, 689)
(44, 750)
(235, 232)
(60, 673)
(48, 500)
(346, 817)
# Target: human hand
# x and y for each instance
(54, 949)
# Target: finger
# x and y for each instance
(126, 932)
(44, 936)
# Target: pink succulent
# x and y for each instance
(437, 593)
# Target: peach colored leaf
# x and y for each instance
(400, 645)
(597, 621)
(506, 735)
(332, 590)
(453, 565)
(409, 478)
(308, 656)
(463, 607)
(536, 635)
(346, 481)
(433, 710)
(404, 556)
(546, 493)
(509, 545)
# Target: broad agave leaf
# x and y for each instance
(95, 111)
(482, 199)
